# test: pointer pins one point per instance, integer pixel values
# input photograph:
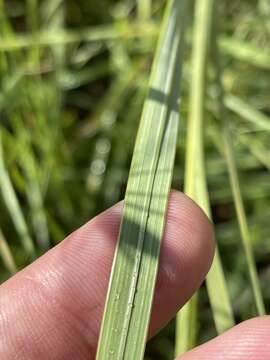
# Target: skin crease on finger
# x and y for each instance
(53, 308)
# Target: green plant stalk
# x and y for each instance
(186, 326)
(144, 9)
(13, 206)
(53, 16)
(56, 22)
(5, 27)
(242, 220)
(227, 151)
(196, 187)
(129, 300)
(32, 24)
(253, 116)
(258, 150)
(6, 255)
(33, 190)
(65, 37)
(235, 184)
(245, 52)
(247, 111)
(235, 48)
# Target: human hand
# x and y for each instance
(52, 309)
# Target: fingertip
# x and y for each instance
(186, 218)
(68, 285)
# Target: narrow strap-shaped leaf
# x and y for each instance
(219, 296)
(247, 112)
(242, 220)
(33, 191)
(46, 38)
(195, 182)
(129, 300)
(245, 52)
(144, 9)
(6, 255)
(257, 148)
(13, 206)
(235, 185)
(186, 326)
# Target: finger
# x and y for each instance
(248, 341)
(55, 305)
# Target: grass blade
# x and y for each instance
(256, 148)
(236, 189)
(242, 220)
(34, 195)
(144, 9)
(6, 255)
(128, 307)
(186, 326)
(13, 206)
(195, 184)
(247, 112)
(245, 52)
(65, 37)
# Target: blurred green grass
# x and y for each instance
(73, 76)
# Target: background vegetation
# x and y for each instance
(74, 76)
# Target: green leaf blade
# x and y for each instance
(196, 185)
(126, 319)
(12, 203)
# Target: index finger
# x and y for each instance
(53, 308)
